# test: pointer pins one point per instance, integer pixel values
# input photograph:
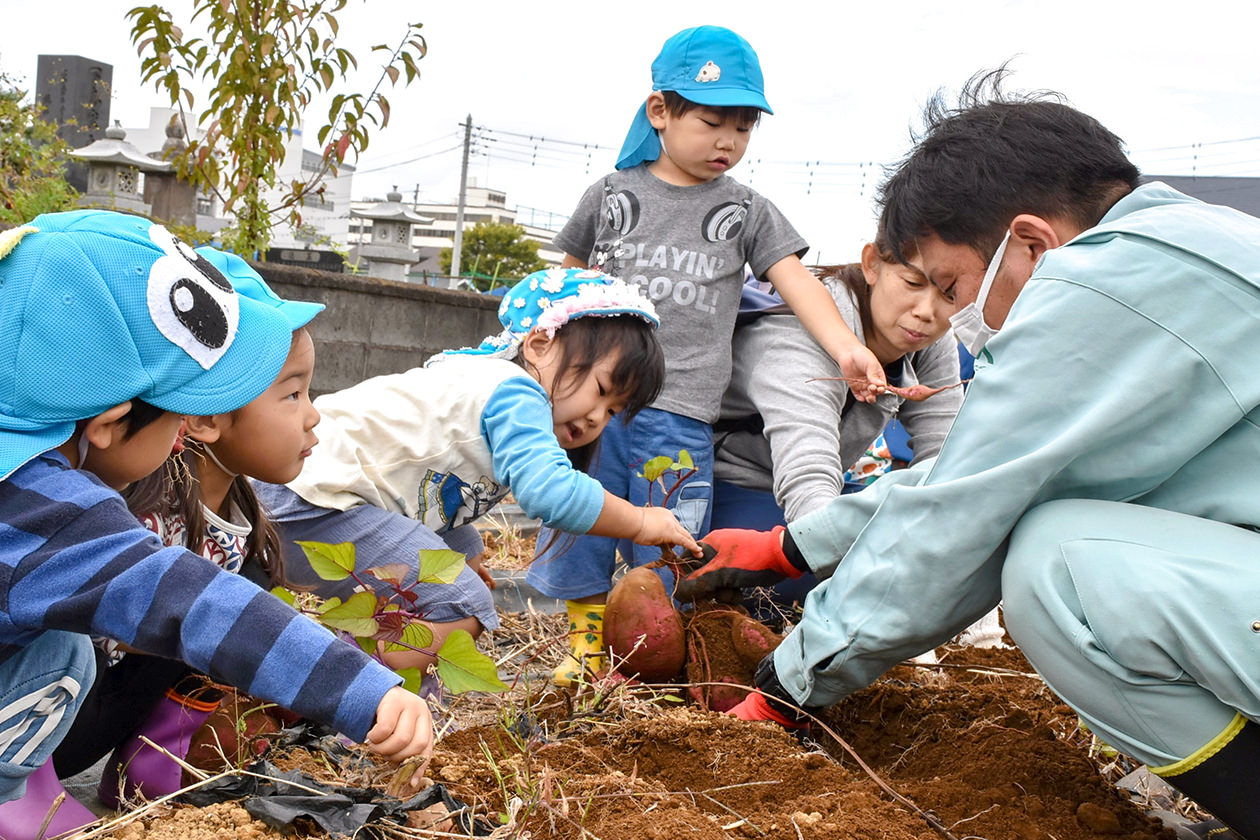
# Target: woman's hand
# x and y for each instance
(862, 371)
(660, 526)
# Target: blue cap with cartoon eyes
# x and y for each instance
(97, 308)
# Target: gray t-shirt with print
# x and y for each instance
(687, 247)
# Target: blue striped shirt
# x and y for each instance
(74, 558)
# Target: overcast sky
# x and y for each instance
(846, 81)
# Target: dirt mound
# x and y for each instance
(977, 745)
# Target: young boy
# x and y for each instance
(113, 329)
(671, 220)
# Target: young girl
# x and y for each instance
(199, 502)
(409, 461)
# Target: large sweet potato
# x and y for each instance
(724, 646)
(639, 608)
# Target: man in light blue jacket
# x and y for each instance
(1102, 476)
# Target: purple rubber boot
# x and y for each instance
(137, 769)
(21, 819)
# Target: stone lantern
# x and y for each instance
(114, 169)
(389, 250)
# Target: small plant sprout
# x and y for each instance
(657, 469)
(384, 620)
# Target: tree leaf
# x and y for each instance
(439, 565)
(684, 460)
(464, 668)
(330, 562)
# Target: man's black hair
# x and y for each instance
(994, 155)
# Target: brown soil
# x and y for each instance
(978, 745)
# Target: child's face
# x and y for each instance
(580, 406)
(132, 458)
(698, 146)
(271, 437)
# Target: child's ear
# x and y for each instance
(108, 427)
(535, 346)
(203, 429)
(656, 109)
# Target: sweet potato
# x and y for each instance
(753, 640)
(724, 645)
(639, 608)
(914, 393)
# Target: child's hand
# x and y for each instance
(403, 728)
(478, 565)
(661, 527)
(862, 371)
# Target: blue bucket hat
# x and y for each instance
(97, 308)
(550, 298)
(707, 65)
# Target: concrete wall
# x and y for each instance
(373, 326)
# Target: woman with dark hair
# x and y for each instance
(791, 435)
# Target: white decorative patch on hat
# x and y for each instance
(190, 301)
(710, 72)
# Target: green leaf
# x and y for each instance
(415, 636)
(656, 467)
(684, 460)
(284, 595)
(355, 615)
(440, 565)
(330, 562)
(411, 679)
(464, 668)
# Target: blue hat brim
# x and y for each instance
(19, 446)
(727, 98)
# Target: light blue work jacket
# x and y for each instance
(1126, 371)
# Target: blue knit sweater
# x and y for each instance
(74, 558)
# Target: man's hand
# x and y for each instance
(743, 559)
(404, 728)
(771, 701)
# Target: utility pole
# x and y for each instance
(463, 194)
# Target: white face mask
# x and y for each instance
(968, 322)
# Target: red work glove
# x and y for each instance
(771, 701)
(756, 707)
(743, 559)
